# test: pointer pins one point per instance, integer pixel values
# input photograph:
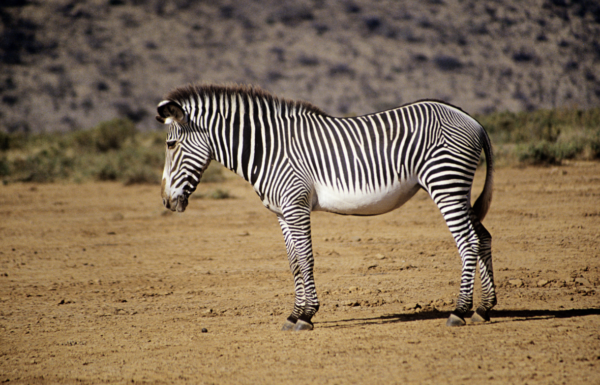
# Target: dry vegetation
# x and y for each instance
(115, 150)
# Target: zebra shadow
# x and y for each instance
(495, 315)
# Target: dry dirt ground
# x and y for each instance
(99, 284)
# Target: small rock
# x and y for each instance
(582, 281)
(542, 282)
(516, 282)
(586, 291)
(380, 256)
(412, 306)
(208, 311)
(204, 330)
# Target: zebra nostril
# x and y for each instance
(166, 203)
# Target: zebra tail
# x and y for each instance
(484, 201)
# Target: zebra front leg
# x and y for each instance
(297, 222)
(300, 298)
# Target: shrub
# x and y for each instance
(547, 153)
(4, 141)
(539, 153)
(595, 145)
(540, 125)
(220, 194)
(113, 134)
(4, 166)
(106, 136)
(46, 165)
(144, 175)
(114, 151)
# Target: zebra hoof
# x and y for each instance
(303, 325)
(288, 325)
(480, 315)
(455, 320)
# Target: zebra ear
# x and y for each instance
(169, 111)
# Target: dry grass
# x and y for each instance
(115, 151)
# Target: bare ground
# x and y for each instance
(99, 284)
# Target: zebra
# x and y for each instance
(300, 159)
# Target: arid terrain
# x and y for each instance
(100, 284)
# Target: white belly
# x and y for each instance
(376, 201)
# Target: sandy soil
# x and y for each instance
(99, 284)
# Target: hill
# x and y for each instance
(69, 64)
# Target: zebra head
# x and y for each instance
(187, 156)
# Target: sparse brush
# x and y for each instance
(106, 136)
(220, 194)
(111, 151)
(216, 194)
(545, 137)
(115, 151)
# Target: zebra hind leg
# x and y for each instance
(475, 246)
(301, 318)
(486, 272)
(457, 215)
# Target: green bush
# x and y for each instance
(540, 125)
(112, 135)
(545, 136)
(4, 141)
(595, 146)
(115, 151)
(47, 165)
(4, 166)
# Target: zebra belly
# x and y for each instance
(376, 201)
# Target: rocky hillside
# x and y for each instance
(69, 64)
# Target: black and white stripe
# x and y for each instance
(299, 159)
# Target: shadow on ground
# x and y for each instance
(506, 315)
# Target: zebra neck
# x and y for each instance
(248, 133)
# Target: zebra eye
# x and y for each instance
(171, 144)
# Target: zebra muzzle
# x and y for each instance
(178, 204)
(182, 203)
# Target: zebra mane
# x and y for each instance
(252, 91)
